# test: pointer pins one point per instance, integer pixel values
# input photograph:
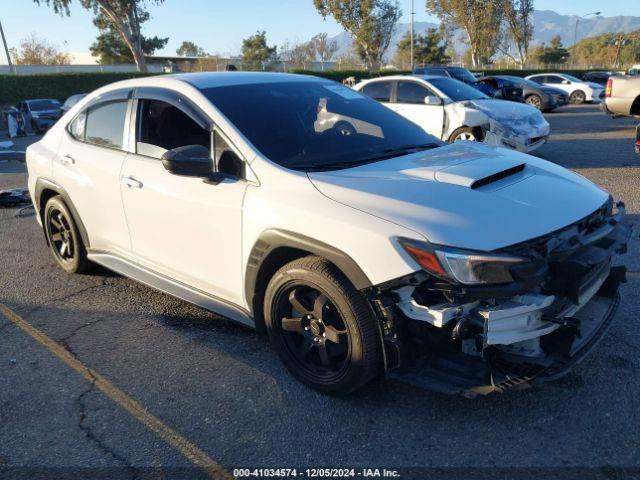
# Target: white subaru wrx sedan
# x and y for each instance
(360, 243)
(452, 110)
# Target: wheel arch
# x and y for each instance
(46, 189)
(635, 107)
(274, 249)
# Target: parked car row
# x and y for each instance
(452, 110)
(40, 114)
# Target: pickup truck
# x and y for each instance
(622, 96)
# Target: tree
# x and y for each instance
(37, 51)
(190, 49)
(297, 55)
(324, 49)
(125, 16)
(553, 54)
(518, 19)
(428, 48)
(480, 19)
(370, 22)
(110, 48)
(256, 53)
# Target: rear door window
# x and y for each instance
(104, 124)
(412, 92)
(380, 91)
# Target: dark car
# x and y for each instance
(458, 73)
(597, 77)
(539, 96)
(40, 114)
(464, 75)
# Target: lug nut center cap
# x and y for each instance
(316, 327)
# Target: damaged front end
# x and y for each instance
(473, 323)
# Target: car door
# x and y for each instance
(88, 164)
(557, 81)
(182, 226)
(410, 103)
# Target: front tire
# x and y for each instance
(463, 133)
(534, 100)
(63, 237)
(578, 97)
(321, 327)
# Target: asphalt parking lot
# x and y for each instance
(220, 394)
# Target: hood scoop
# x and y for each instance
(497, 176)
(479, 173)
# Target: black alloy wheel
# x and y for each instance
(63, 237)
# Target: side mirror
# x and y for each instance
(188, 161)
(432, 100)
(566, 82)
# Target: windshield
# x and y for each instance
(319, 124)
(40, 105)
(572, 78)
(462, 74)
(520, 81)
(456, 90)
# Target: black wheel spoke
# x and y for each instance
(324, 356)
(319, 304)
(334, 335)
(292, 324)
(296, 303)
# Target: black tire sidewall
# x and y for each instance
(78, 263)
(357, 372)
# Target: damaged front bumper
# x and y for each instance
(476, 340)
(520, 143)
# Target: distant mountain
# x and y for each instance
(547, 24)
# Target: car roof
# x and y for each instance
(402, 77)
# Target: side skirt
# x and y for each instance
(172, 287)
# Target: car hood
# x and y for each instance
(466, 195)
(511, 119)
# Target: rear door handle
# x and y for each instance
(132, 182)
(68, 160)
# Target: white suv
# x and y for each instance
(360, 243)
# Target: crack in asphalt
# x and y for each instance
(91, 435)
(63, 298)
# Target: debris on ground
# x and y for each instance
(14, 197)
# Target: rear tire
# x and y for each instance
(321, 327)
(578, 97)
(463, 133)
(63, 237)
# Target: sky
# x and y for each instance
(218, 26)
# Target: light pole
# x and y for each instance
(6, 51)
(575, 32)
(413, 13)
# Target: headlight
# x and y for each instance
(469, 268)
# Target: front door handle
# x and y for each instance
(68, 160)
(132, 182)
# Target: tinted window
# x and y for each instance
(553, 79)
(462, 74)
(40, 105)
(380, 91)
(76, 127)
(540, 79)
(104, 124)
(315, 123)
(162, 127)
(226, 158)
(457, 90)
(437, 71)
(411, 92)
